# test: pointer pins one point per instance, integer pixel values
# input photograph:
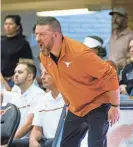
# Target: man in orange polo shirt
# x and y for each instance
(89, 84)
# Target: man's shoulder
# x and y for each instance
(129, 32)
(35, 91)
(75, 46)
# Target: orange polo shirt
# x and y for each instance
(82, 77)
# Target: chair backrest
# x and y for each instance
(10, 120)
(60, 126)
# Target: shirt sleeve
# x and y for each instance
(37, 119)
(97, 68)
(10, 97)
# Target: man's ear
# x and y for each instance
(55, 35)
(30, 76)
(126, 21)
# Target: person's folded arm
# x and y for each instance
(36, 133)
(4, 82)
(8, 88)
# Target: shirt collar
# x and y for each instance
(28, 90)
(51, 97)
(63, 48)
(124, 32)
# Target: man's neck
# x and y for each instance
(56, 52)
(54, 92)
(121, 29)
(25, 87)
(57, 47)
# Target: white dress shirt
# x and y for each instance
(49, 114)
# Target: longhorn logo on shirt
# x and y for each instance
(67, 63)
(49, 64)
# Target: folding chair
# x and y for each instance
(60, 128)
(10, 119)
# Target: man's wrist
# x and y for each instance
(114, 105)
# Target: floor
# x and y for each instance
(121, 133)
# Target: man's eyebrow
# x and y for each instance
(18, 70)
(130, 46)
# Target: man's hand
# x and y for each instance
(34, 143)
(113, 115)
(2, 80)
(123, 89)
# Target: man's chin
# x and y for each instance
(45, 86)
(115, 26)
(16, 83)
(45, 53)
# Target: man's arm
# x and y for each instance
(107, 77)
(114, 111)
(99, 69)
(9, 97)
(114, 97)
(37, 131)
(25, 128)
(36, 134)
(4, 82)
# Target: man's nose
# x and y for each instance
(114, 19)
(16, 75)
(43, 76)
(7, 26)
(38, 38)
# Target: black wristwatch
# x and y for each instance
(115, 105)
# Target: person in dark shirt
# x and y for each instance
(13, 46)
(126, 83)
